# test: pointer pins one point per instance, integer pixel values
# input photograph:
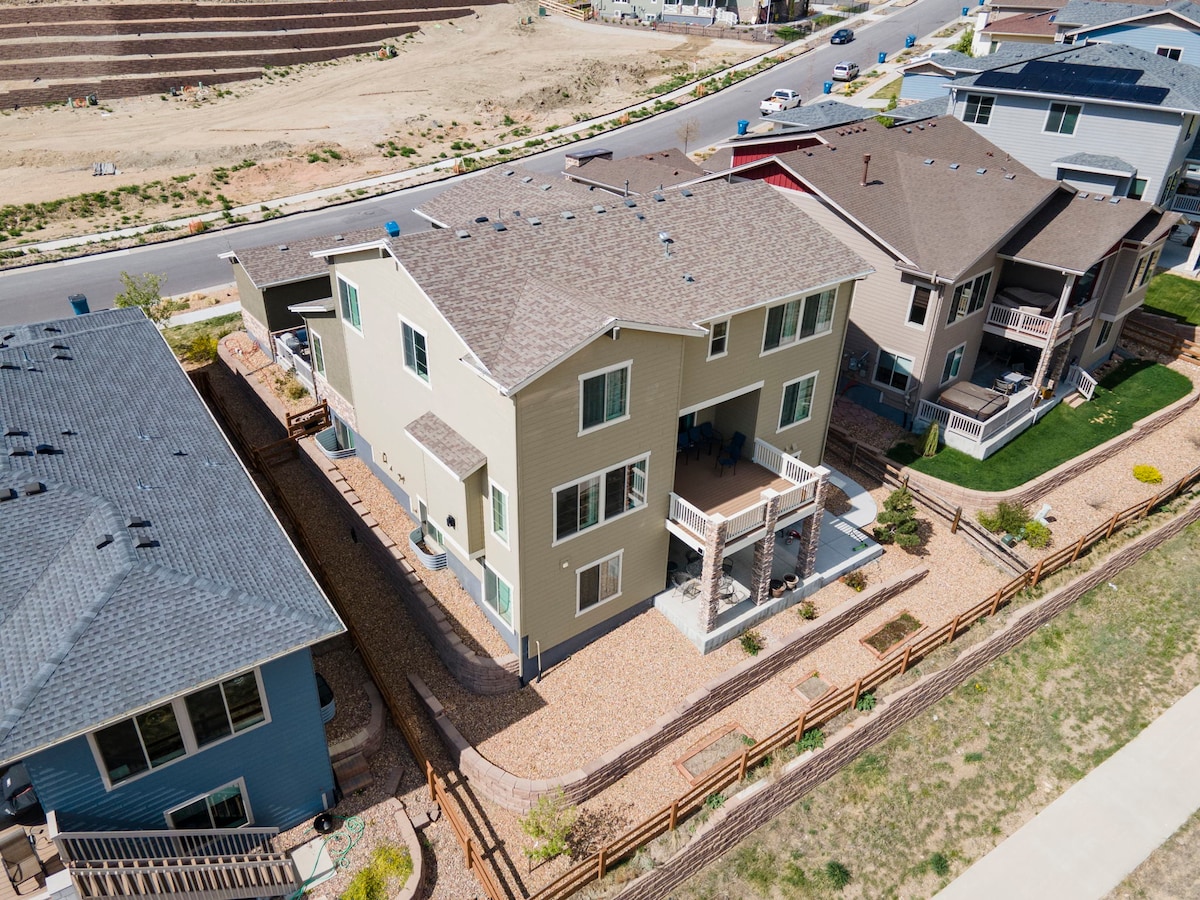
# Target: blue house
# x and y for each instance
(156, 673)
(1172, 30)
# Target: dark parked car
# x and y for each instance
(842, 36)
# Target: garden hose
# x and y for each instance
(338, 845)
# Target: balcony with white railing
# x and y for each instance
(293, 356)
(1028, 325)
(704, 490)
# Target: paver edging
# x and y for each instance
(368, 739)
(519, 794)
(414, 888)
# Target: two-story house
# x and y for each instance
(1169, 29)
(157, 677)
(567, 401)
(995, 290)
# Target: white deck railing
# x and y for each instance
(113, 846)
(693, 519)
(1081, 381)
(1039, 326)
(974, 429)
(1185, 204)
(746, 521)
(291, 361)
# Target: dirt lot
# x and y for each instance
(453, 87)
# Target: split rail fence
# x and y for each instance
(832, 705)
(1165, 342)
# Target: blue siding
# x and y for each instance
(285, 764)
(924, 87)
(1149, 38)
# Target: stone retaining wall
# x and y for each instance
(133, 12)
(748, 810)
(517, 793)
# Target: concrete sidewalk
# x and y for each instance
(1087, 841)
(199, 315)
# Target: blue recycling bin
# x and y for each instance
(79, 304)
(393, 229)
(882, 57)
(966, 9)
(743, 124)
(910, 40)
(828, 89)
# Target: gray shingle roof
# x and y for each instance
(1089, 14)
(1096, 161)
(503, 191)
(273, 264)
(826, 114)
(959, 63)
(644, 172)
(1178, 83)
(524, 297)
(446, 445)
(924, 109)
(134, 624)
(1073, 231)
(941, 218)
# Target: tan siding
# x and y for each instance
(250, 296)
(333, 347)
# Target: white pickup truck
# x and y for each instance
(779, 101)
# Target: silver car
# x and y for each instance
(845, 71)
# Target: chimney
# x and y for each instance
(866, 166)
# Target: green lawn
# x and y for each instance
(1130, 392)
(197, 342)
(1174, 296)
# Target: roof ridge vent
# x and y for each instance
(103, 541)
(462, 233)
(630, 202)
(15, 432)
(283, 247)
(145, 541)
(1083, 195)
(1114, 199)
(137, 522)
(546, 187)
(954, 166)
(499, 226)
(7, 493)
(567, 214)
(686, 193)
(33, 487)
(929, 162)
(981, 171)
(1009, 177)
(479, 220)
(527, 179)
(533, 220)
(45, 450)
(339, 237)
(1098, 197)
(598, 208)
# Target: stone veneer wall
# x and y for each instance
(516, 793)
(749, 809)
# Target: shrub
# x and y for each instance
(1037, 535)
(807, 610)
(714, 801)
(866, 702)
(856, 579)
(939, 864)
(1010, 517)
(549, 823)
(898, 522)
(838, 874)
(1147, 474)
(930, 448)
(201, 349)
(813, 739)
(752, 642)
(371, 883)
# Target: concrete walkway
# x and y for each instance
(199, 315)
(1087, 841)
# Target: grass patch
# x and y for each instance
(1174, 296)
(893, 632)
(1130, 392)
(197, 341)
(1029, 725)
(890, 91)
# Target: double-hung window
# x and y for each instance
(416, 351)
(953, 363)
(589, 502)
(969, 297)
(599, 582)
(499, 512)
(1106, 327)
(348, 294)
(318, 352)
(497, 594)
(1144, 271)
(1063, 118)
(718, 339)
(225, 807)
(893, 370)
(918, 308)
(797, 401)
(796, 320)
(979, 109)
(604, 397)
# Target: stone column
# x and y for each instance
(710, 574)
(764, 551)
(810, 533)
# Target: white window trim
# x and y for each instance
(1158, 52)
(912, 297)
(357, 329)
(983, 306)
(1050, 112)
(627, 364)
(318, 348)
(599, 473)
(185, 730)
(620, 554)
(783, 396)
(511, 596)
(963, 348)
(991, 109)
(240, 782)
(799, 340)
(711, 332)
(427, 382)
(898, 355)
(493, 488)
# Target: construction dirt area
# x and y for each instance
(501, 74)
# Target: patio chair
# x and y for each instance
(712, 437)
(683, 444)
(728, 458)
(19, 852)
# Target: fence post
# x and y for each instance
(674, 814)
(742, 765)
(1037, 573)
(430, 776)
(1149, 506)
(800, 725)
(854, 454)
(904, 662)
(957, 519)
(1112, 524)
(601, 861)
(1078, 548)
(953, 628)
(470, 854)
(857, 691)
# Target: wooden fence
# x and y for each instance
(834, 704)
(1165, 342)
(262, 461)
(582, 12)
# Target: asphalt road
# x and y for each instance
(36, 293)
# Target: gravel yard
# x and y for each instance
(621, 683)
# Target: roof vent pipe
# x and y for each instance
(866, 167)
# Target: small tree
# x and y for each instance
(688, 131)
(931, 441)
(964, 43)
(898, 523)
(549, 823)
(144, 291)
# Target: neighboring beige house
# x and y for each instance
(526, 386)
(995, 291)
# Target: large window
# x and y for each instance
(497, 594)
(894, 370)
(1169, 52)
(318, 352)
(349, 298)
(603, 397)
(718, 339)
(598, 498)
(1106, 327)
(416, 352)
(183, 726)
(953, 363)
(799, 319)
(599, 582)
(797, 401)
(979, 109)
(1144, 271)
(225, 807)
(1063, 118)
(969, 297)
(919, 306)
(499, 513)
